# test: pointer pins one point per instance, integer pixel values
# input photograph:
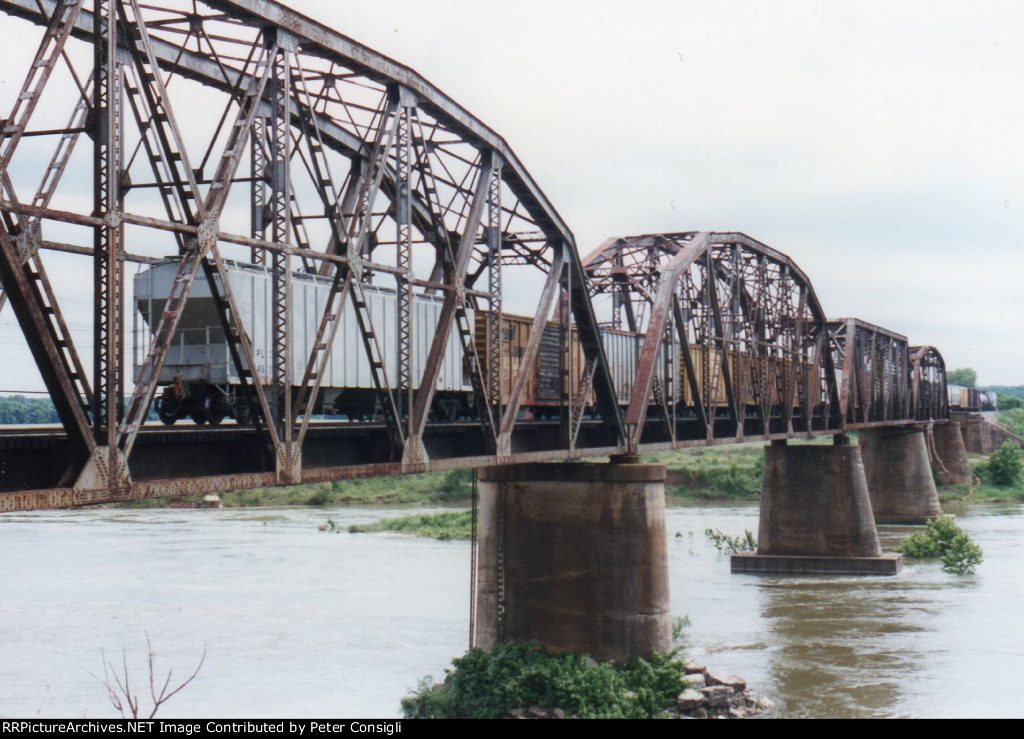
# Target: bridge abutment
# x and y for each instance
(899, 475)
(816, 515)
(574, 556)
(952, 468)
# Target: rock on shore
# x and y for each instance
(711, 694)
(715, 694)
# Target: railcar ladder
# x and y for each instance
(377, 367)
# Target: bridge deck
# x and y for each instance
(171, 462)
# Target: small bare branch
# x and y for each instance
(118, 684)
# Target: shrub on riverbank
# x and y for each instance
(1004, 468)
(494, 684)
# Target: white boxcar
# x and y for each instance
(200, 354)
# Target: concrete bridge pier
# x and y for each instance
(977, 439)
(574, 556)
(816, 515)
(951, 468)
(899, 475)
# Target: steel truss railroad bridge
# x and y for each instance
(220, 131)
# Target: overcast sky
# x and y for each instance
(879, 144)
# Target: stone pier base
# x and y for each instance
(574, 556)
(816, 515)
(899, 475)
(977, 439)
(951, 468)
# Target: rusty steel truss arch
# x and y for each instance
(929, 396)
(734, 341)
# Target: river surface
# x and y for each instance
(301, 622)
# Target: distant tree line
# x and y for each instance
(1008, 396)
(17, 409)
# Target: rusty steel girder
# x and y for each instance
(734, 341)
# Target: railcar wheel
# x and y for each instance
(243, 414)
(167, 409)
(167, 419)
(215, 408)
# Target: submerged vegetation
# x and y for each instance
(445, 526)
(726, 544)
(496, 683)
(944, 540)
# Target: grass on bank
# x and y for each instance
(996, 478)
(712, 473)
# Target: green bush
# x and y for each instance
(1004, 467)
(459, 482)
(945, 540)
(491, 684)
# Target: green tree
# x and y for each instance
(962, 376)
(1006, 402)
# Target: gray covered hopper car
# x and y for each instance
(200, 380)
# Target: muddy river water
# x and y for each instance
(302, 622)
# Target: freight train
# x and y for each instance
(200, 381)
(968, 399)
